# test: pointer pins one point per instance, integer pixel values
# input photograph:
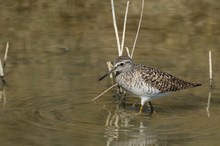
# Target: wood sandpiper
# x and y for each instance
(146, 82)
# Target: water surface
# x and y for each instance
(58, 51)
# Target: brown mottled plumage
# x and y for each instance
(163, 81)
(146, 82)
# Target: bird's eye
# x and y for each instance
(122, 64)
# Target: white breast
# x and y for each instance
(136, 85)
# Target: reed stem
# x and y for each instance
(124, 28)
(210, 68)
(6, 54)
(104, 92)
(1, 69)
(139, 25)
(115, 28)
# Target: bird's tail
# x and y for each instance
(195, 84)
(192, 84)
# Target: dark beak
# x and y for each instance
(108, 73)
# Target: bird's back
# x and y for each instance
(162, 81)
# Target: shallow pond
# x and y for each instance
(58, 50)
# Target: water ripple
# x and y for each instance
(43, 115)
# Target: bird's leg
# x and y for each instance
(151, 107)
(133, 105)
(140, 111)
(122, 99)
(142, 104)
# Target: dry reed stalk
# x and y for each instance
(6, 54)
(1, 69)
(128, 52)
(139, 25)
(124, 28)
(115, 27)
(109, 65)
(210, 68)
(104, 92)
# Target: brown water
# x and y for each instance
(58, 51)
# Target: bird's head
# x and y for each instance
(121, 64)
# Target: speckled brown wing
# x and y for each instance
(163, 81)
